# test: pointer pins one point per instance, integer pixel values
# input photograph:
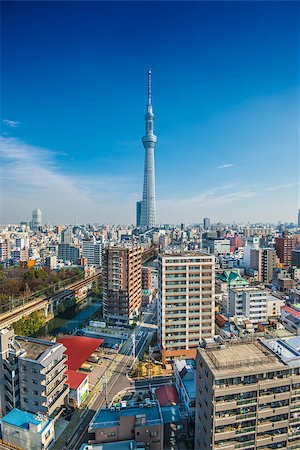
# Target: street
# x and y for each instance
(116, 381)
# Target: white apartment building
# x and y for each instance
(186, 300)
(250, 302)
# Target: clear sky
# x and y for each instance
(225, 98)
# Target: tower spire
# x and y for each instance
(149, 88)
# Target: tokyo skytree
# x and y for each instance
(148, 213)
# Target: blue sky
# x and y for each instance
(225, 97)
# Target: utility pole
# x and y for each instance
(105, 385)
(133, 345)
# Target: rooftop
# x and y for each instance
(167, 395)
(75, 379)
(122, 445)
(22, 419)
(78, 349)
(286, 350)
(240, 357)
(290, 310)
(34, 347)
(172, 413)
(183, 253)
(111, 417)
(232, 277)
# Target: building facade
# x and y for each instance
(36, 219)
(68, 252)
(32, 373)
(122, 282)
(186, 300)
(284, 246)
(247, 396)
(250, 302)
(141, 423)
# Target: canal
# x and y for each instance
(72, 318)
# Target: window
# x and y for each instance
(33, 370)
(154, 434)
(25, 400)
(35, 403)
(34, 381)
(25, 389)
(35, 393)
(111, 434)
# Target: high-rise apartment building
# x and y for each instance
(147, 278)
(284, 246)
(67, 236)
(206, 223)
(36, 219)
(247, 395)
(296, 258)
(5, 249)
(68, 252)
(186, 297)
(122, 282)
(32, 374)
(148, 211)
(264, 260)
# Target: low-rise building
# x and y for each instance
(250, 302)
(79, 387)
(274, 305)
(24, 430)
(142, 423)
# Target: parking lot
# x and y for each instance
(109, 359)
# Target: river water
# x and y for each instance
(71, 319)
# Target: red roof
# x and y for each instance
(79, 349)
(221, 320)
(75, 378)
(167, 395)
(290, 310)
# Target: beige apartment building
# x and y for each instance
(186, 300)
(248, 395)
(122, 282)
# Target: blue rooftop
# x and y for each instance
(22, 419)
(172, 414)
(109, 417)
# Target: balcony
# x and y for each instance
(224, 406)
(268, 439)
(233, 445)
(234, 389)
(56, 386)
(61, 361)
(55, 377)
(273, 397)
(269, 425)
(275, 382)
(58, 400)
(270, 412)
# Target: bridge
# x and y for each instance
(78, 290)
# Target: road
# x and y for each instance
(118, 381)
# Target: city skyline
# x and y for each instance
(226, 83)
